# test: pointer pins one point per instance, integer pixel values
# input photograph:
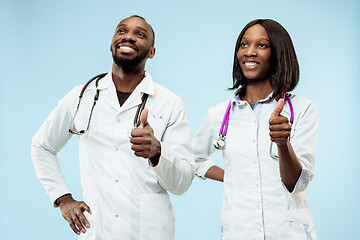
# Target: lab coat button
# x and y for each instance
(259, 229)
(117, 180)
(253, 141)
(116, 215)
(254, 162)
(258, 207)
(116, 149)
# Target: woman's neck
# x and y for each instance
(257, 90)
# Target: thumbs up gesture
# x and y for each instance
(279, 125)
(144, 143)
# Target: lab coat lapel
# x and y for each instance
(108, 92)
(147, 85)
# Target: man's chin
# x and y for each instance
(127, 64)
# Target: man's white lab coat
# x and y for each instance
(128, 197)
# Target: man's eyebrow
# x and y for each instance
(142, 29)
(121, 25)
(124, 25)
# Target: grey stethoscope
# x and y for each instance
(220, 141)
(97, 78)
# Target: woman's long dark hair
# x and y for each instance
(284, 67)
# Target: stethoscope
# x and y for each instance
(97, 78)
(220, 141)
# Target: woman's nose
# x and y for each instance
(250, 51)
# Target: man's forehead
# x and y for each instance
(136, 21)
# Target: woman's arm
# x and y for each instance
(296, 159)
(290, 166)
(215, 173)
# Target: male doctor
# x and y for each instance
(125, 172)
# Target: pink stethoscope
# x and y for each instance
(220, 142)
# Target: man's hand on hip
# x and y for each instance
(72, 211)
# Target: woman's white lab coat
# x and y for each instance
(256, 204)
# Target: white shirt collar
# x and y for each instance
(235, 98)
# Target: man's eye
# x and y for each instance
(140, 35)
(121, 31)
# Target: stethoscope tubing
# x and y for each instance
(225, 122)
(97, 78)
(220, 142)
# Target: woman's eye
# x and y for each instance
(243, 44)
(261, 45)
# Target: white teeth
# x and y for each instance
(250, 64)
(127, 48)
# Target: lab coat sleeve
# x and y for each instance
(46, 144)
(303, 141)
(203, 146)
(175, 170)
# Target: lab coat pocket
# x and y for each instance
(301, 224)
(156, 217)
(158, 125)
(226, 232)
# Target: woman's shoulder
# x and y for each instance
(300, 101)
(302, 105)
(219, 109)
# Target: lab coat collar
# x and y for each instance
(146, 85)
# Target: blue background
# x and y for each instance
(47, 47)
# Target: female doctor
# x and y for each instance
(267, 138)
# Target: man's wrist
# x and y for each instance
(62, 199)
(155, 160)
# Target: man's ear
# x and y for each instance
(151, 53)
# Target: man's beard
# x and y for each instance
(128, 64)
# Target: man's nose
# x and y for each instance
(128, 37)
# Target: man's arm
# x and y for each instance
(46, 144)
(172, 158)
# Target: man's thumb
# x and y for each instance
(143, 118)
(279, 107)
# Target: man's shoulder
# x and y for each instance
(163, 92)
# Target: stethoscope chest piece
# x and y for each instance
(219, 142)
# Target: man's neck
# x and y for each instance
(257, 90)
(126, 81)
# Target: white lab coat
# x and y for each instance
(256, 204)
(128, 197)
